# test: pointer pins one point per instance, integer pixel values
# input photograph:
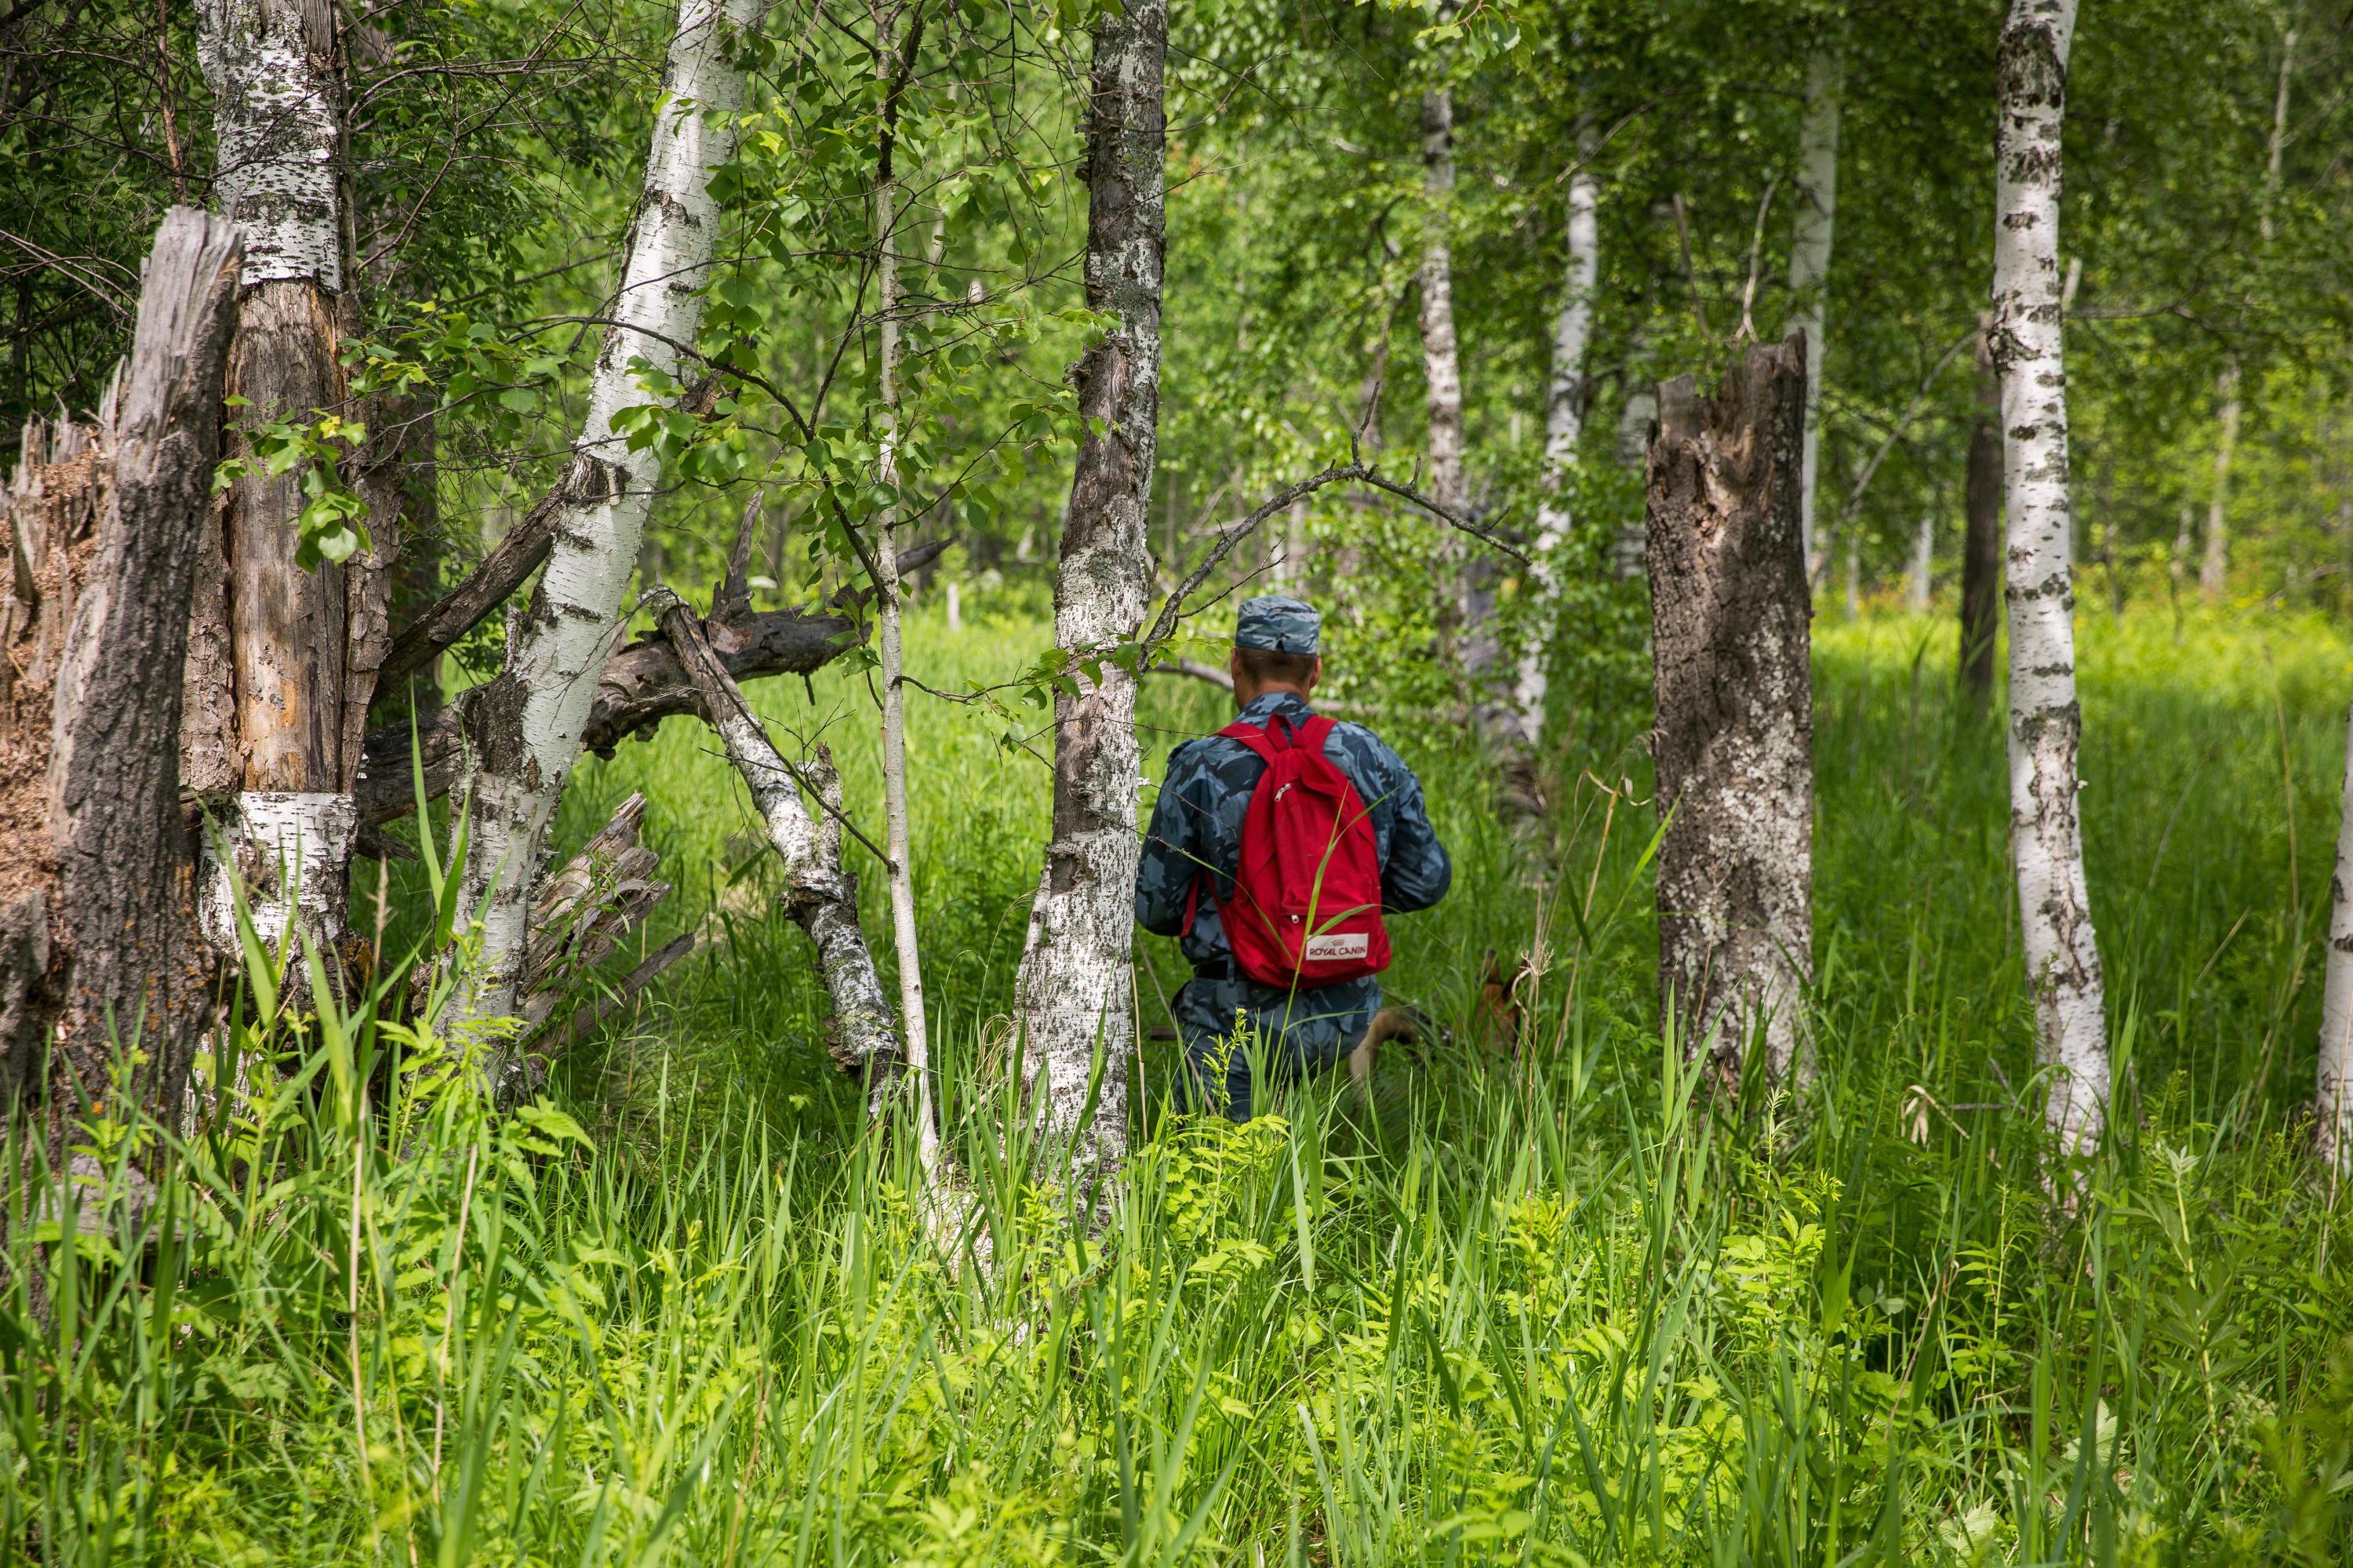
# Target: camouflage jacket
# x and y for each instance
(1196, 827)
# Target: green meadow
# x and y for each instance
(1551, 1301)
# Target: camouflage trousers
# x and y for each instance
(1294, 1035)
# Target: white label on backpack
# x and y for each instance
(1337, 946)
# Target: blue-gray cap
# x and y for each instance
(1278, 624)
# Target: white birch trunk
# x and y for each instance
(1923, 552)
(888, 597)
(278, 133)
(1075, 993)
(1810, 255)
(2063, 959)
(525, 727)
(1441, 362)
(2214, 570)
(1565, 395)
(2333, 1103)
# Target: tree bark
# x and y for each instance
(1810, 253)
(1981, 541)
(2333, 1102)
(907, 942)
(820, 894)
(2214, 570)
(1924, 560)
(2062, 958)
(1441, 362)
(525, 725)
(1565, 395)
(129, 966)
(1075, 991)
(1729, 613)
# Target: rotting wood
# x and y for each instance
(125, 963)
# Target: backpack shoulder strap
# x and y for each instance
(1252, 737)
(1313, 733)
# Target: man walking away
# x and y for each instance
(1276, 901)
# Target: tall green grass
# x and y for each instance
(1549, 1307)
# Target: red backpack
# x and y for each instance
(1307, 906)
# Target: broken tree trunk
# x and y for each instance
(1729, 613)
(1075, 992)
(820, 894)
(286, 656)
(2046, 724)
(2214, 570)
(525, 725)
(1981, 543)
(118, 901)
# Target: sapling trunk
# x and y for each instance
(2046, 724)
(1075, 994)
(525, 725)
(1734, 743)
(897, 842)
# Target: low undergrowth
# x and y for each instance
(1555, 1304)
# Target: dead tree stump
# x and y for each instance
(1734, 743)
(118, 879)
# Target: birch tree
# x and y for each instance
(2333, 1101)
(1565, 394)
(2063, 959)
(1442, 363)
(2214, 567)
(525, 725)
(1074, 995)
(271, 732)
(898, 843)
(1810, 255)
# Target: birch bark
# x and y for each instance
(1075, 992)
(273, 640)
(1442, 363)
(1565, 394)
(1810, 255)
(1924, 559)
(524, 726)
(821, 897)
(2062, 958)
(2214, 569)
(2333, 1103)
(898, 843)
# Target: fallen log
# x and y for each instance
(820, 894)
(641, 685)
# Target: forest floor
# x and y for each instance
(1542, 1307)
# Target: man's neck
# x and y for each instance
(1271, 689)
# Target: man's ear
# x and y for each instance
(1234, 669)
(1315, 674)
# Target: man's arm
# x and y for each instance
(1418, 872)
(1163, 878)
